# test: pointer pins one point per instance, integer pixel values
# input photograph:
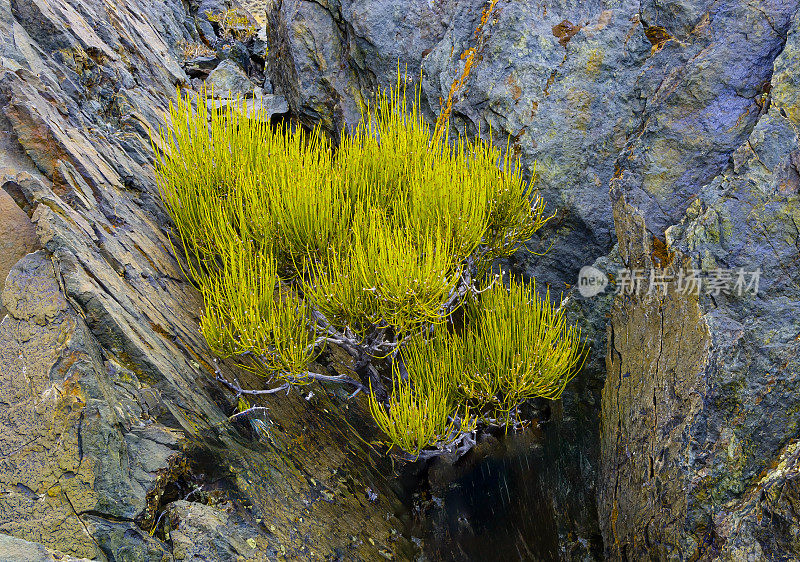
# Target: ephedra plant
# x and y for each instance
(383, 247)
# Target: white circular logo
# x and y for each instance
(591, 281)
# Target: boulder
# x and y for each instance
(235, 51)
(200, 67)
(228, 80)
(202, 532)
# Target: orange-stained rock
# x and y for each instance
(17, 237)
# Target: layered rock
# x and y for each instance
(110, 412)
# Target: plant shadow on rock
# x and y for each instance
(494, 504)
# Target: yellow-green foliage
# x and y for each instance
(233, 23)
(516, 346)
(520, 346)
(388, 276)
(293, 243)
(424, 408)
(415, 419)
(244, 315)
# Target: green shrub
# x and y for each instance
(373, 247)
(233, 23)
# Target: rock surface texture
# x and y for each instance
(665, 134)
(17, 237)
(700, 409)
(112, 429)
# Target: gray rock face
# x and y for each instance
(700, 409)
(109, 408)
(666, 129)
(719, 65)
